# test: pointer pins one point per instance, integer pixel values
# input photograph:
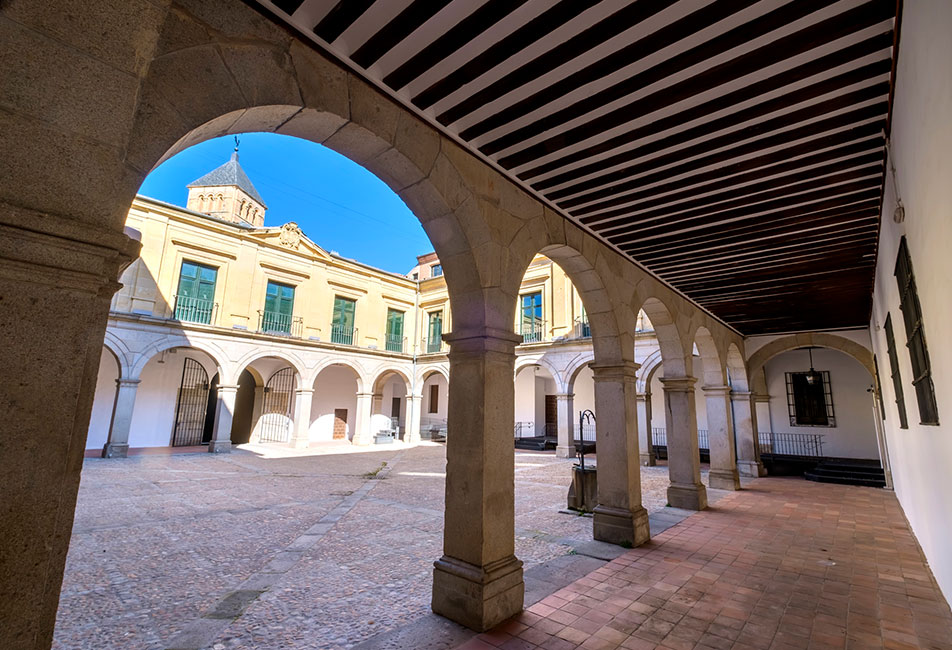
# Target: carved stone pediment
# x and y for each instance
(290, 235)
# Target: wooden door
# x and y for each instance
(340, 424)
(551, 415)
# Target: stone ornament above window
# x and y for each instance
(290, 235)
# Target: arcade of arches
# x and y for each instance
(95, 97)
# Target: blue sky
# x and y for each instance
(340, 205)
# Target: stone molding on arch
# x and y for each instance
(361, 374)
(257, 354)
(738, 377)
(527, 360)
(713, 370)
(762, 355)
(583, 360)
(176, 341)
(671, 341)
(124, 356)
(424, 373)
(382, 371)
(649, 365)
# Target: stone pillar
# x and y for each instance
(256, 414)
(57, 276)
(478, 581)
(414, 414)
(645, 446)
(684, 462)
(118, 445)
(302, 418)
(565, 447)
(362, 433)
(619, 517)
(720, 430)
(745, 430)
(224, 414)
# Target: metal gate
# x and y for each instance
(192, 405)
(276, 418)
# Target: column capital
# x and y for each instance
(741, 395)
(641, 397)
(760, 397)
(303, 391)
(125, 381)
(480, 341)
(625, 371)
(564, 396)
(227, 388)
(716, 391)
(678, 384)
(416, 398)
(365, 395)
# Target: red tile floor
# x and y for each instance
(785, 563)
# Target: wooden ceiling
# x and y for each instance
(734, 148)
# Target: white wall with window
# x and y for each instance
(854, 433)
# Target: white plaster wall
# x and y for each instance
(525, 395)
(154, 415)
(584, 391)
(101, 417)
(442, 401)
(921, 456)
(854, 435)
(334, 388)
(394, 387)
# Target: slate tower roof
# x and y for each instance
(229, 174)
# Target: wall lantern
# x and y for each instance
(813, 377)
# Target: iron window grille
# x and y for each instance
(810, 405)
(915, 337)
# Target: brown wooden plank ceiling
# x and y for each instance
(734, 148)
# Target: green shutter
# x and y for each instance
(195, 299)
(435, 337)
(394, 330)
(342, 325)
(278, 308)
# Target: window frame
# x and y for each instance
(827, 392)
(895, 373)
(196, 282)
(271, 318)
(537, 331)
(394, 342)
(915, 337)
(340, 333)
(436, 270)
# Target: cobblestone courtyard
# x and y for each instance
(159, 541)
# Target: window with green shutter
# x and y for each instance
(394, 331)
(434, 340)
(342, 324)
(278, 308)
(195, 300)
(531, 317)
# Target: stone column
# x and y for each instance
(684, 462)
(645, 446)
(745, 430)
(57, 276)
(256, 414)
(362, 433)
(118, 445)
(478, 581)
(720, 430)
(302, 418)
(224, 414)
(565, 447)
(619, 517)
(414, 413)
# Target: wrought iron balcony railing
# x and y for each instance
(791, 444)
(533, 332)
(659, 438)
(194, 310)
(432, 346)
(343, 335)
(396, 343)
(270, 322)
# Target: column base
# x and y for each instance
(751, 468)
(300, 443)
(478, 597)
(620, 526)
(411, 438)
(723, 479)
(647, 460)
(565, 452)
(115, 450)
(688, 497)
(219, 446)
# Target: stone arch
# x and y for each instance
(760, 357)
(385, 373)
(575, 367)
(649, 366)
(524, 361)
(713, 371)
(249, 358)
(358, 370)
(120, 351)
(168, 342)
(737, 369)
(424, 373)
(674, 360)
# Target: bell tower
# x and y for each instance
(227, 193)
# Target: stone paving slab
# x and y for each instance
(336, 558)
